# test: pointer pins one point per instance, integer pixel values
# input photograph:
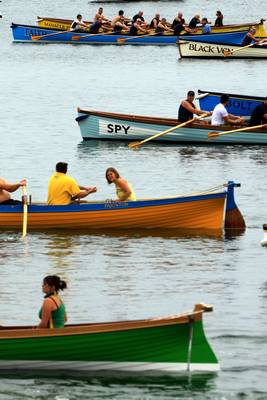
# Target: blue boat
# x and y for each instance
(36, 34)
(238, 104)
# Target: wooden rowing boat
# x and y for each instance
(165, 345)
(204, 210)
(64, 24)
(188, 48)
(242, 105)
(113, 126)
(28, 33)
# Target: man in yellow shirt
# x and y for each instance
(62, 189)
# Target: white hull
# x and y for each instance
(216, 50)
(164, 368)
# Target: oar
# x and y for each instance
(122, 40)
(212, 135)
(91, 34)
(49, 34)
(137, 144)
(25, 211)
(228, 53)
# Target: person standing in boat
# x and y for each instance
(250, 37)
(78, 25)
(53, 313)
(220, 115)
(136, 28)
(118, 23)
(219, 19)
(206, 28)
(259, 114)
(178, 24)
(124, 189)
(6, 188)
(62, 189)
(187, 108)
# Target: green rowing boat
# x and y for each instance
(166, 344)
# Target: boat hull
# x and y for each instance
(166, 345)
(189, 212)
(24, 33)
(64, 24)
(238, 104)
(112, 126)
(188, 48)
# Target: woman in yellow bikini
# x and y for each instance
(124, 189)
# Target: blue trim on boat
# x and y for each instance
(110, 204)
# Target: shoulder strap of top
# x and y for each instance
(52, 298)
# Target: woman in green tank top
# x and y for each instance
(124, 189)
(52, 313)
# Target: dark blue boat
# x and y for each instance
(242, 105)
(28, 34)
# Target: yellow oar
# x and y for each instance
(212, 135)
(137, 144)
(25, 211)
(91, 34)
(122, 40)
(49, 34)
(228, 53)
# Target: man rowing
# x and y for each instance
(78, 25)
(6, 188)
(118, 23)
(100, 16)
(137, 28)
(163, 27)
(178, 24)
(259, 114)
(250, 37)
(62, 189)
(220, 115)
(187, 108)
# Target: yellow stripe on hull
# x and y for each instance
(205, 214)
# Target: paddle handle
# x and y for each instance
(37, 37)
(25, 211)
(247, 128)
(171, 129)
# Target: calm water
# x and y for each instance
(127, 276)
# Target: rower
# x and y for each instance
(78, 24)
(249, 38)
(163, 27)
(193, 24)
(259, 114)
(220, 115)
(154, 22)
(219, 19)
(118, 23)
(136, 28)
(178, 24)
(206, 28)
(187, 108)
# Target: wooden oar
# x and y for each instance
(49, 34)
(91, 34)
(228, 53)
(137, 144)
(122, 40)
(25, 211)
(212, 135)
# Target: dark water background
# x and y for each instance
(137, 275)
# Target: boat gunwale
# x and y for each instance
(159, 120)
(242, 96)
(10, 332)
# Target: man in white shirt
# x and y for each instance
(78, 25)
(220, 115)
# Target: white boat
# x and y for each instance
(188, 48)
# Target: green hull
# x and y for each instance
(173, 347)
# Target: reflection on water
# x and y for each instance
(119, 386)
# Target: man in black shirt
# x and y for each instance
(259, 114)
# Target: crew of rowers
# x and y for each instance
(220, 115)
(138, 25)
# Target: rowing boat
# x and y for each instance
(208, 210)
(164, 345)
(242, 105)
(200, 49)
(113, 126)
(26, 33)
(64, 24)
